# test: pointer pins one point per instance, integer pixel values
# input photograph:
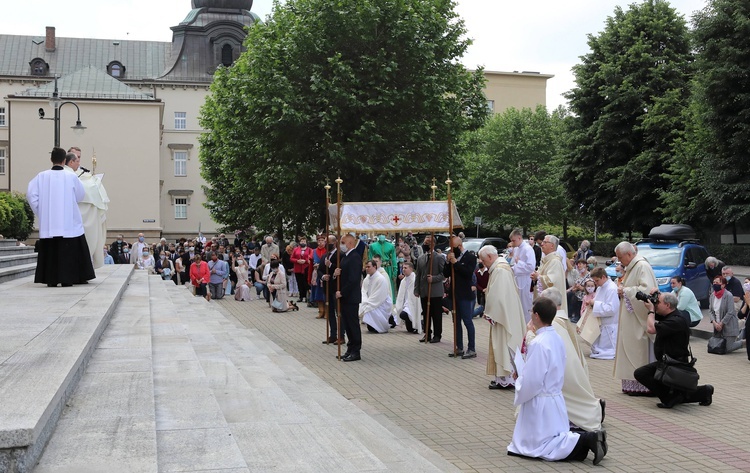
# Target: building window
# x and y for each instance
(491, 106)
(180, 163)
(226, 55)
(2, 161)
(116, 69)
(180, 120)
(180, 207)
(2, 116)
(39, 67)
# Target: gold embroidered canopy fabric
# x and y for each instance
(395, 217)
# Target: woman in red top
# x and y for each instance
(199, 276)
(302, 258)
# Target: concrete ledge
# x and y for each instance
(14, 272)
(53, 332)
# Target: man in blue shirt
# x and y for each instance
(218, 270)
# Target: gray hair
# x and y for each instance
(670, 298)
(585, 245)
(487, 250)
(592, 260)
(553, 294)
(712, 260)
(625, 248)
(552, 238)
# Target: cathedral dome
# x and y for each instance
(226, 4)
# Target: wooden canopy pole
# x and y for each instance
(327, 303)
(448, 183)
(429, 273)
(339, 181)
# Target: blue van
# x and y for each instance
(672, 250)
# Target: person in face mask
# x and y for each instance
(302, 260)
(164, 266)
(686, 300)
(317, 292)
(124, 257)
(599, 327)
(723, 316)
(138, 246)
(734, 286)
(591, 263)
(107, 257)
(146, 261)
(116, 248)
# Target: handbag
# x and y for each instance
(717, 346)
(276, 304)
(678, 375)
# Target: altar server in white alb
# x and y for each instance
(64, 256)
(504, 311)
(408, 306)
(93, 207)
(585, 410)
(524, 263)
(377, 302)
(542, 428)
(606, 309)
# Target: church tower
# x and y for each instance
(210, 36)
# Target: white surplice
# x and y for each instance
(606, 310)
(524, 263)
(376, 305)
(60, 217)
(542, 428)
(407, 302)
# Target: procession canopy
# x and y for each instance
(395, 217)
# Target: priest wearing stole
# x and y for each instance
(635, 346)
(550, 273)
(504, 311)
(376, 305)
(542, 428)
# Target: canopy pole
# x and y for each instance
(338, 265)
(448, 183)
(431, 246)
(326, 284)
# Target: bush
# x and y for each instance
(730, 254)
(16, 216)
(604, 248)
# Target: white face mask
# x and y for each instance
(343, 248)
(590, 289)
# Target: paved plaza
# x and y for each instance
(445, 403)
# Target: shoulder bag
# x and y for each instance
(678, 375)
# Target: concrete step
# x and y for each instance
(15, 272)
(13, 249)
(109, 422)
(17, 259)
(4, 243)
(47, 338)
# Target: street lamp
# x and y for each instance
(56, 103)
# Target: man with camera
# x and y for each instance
(672, 338)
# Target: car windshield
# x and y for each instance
(473, 245)
(668, 257)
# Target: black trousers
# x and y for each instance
(350, 325)
(436, 315)
(645, 376)
(580, 451)
(332, 323)
(302, 284)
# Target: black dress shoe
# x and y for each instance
(352, 357)
(343, 356)
(423, 339)
(709, 396)
(459, 353)
(603, 403)
(329, 341)
(435, 340)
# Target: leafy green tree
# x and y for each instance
(369, 90)
(722, 42)
(510, 176)
(16, 216)
(631, 90)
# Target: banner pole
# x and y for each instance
(338, 265)
(429, 274)
(448, 183)
(326, 284)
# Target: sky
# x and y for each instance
(546, 36)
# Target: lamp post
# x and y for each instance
(56, 103)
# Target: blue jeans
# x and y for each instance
(463, 314)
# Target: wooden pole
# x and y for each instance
(448, 183)
(429, 273)
(326, 283)
(338, 264)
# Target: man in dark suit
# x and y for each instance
(350, 295)
(326, 271)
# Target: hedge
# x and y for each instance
(16, 216)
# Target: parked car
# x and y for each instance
(475, 244)
(673, 250)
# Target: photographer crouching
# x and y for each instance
(672, 339)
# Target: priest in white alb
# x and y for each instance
(550, 272)
(377, 303)
(504, 312)
(524, 263)
(408, 306)
(635, 346)
(542, 427)
(605, 308)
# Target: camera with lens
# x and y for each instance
(642, 296)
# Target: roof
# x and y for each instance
(142, 59)
(87, 83)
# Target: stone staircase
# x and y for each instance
(175, 384)
(16, 261)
